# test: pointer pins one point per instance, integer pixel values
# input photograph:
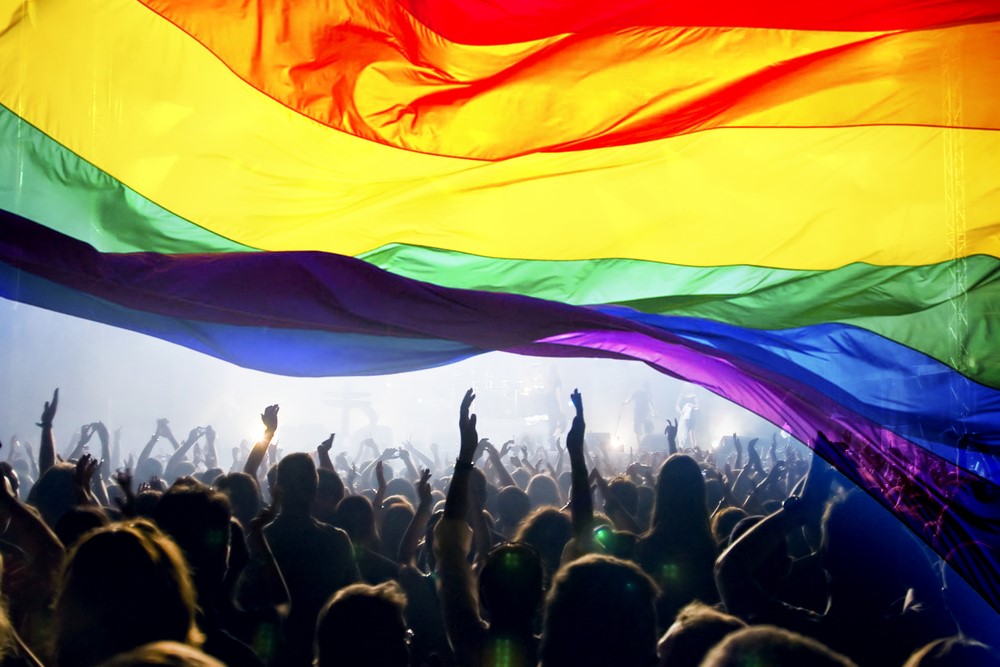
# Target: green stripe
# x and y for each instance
(948, 311)
(42, 180)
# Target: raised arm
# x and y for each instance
(411, 472)
(323, 453)
(753, 458)
(422, 458)
(47, 446)
(496, 459)
(105, 463)
(582, 503)
(671, 432)
(180, 452)
(452, 540)
(87, 431)
(211, 455)
(30, 534)
(418, 524)
(741, 593)
(163, 428)
(270, 420)
(147, 451)
(456, 505)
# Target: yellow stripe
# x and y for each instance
(137, 97)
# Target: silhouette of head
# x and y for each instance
(363, 625)
(600, 612)
(296, 482)
(123, 586)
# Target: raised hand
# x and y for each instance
(506, 448)
(753, 458)
(327, 444)
(467, 429)
(671, 430)
(270, 418)
(84, 472)
(86, 433)
(380, 475)
(124, 478)
(424, 488)
(574, 439)
(49, 411)
(162, 426)
(389, 453)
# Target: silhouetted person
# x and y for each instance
(315, 559)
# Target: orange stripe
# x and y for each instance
(369, 68)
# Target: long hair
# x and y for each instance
(679, 510)
(123, 586)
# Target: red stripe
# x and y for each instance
(510, 21)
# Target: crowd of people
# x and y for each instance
(509, 555)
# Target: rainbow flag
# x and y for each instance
(796, 206)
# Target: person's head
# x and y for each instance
(400, 486)
(296, 482)
(243, 493)
(600, 611)
(53, 494)
(395, 520)
(542, 490)
(163, 654)
(356, 516)
(147, 469)
(512, 505)
(617, 543)
(511, 585)
(547, 530)
(182, 469)
(329, 493)
(774, 647)
(680, 498)
(123, 586)
(723, 523)
(954, 652)
(209, 476)
(694, 632)
(626, 492)
(146, 502)
(77, 522)
(364, 625)
(197, 518)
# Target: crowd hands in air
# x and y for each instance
(503, 557)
